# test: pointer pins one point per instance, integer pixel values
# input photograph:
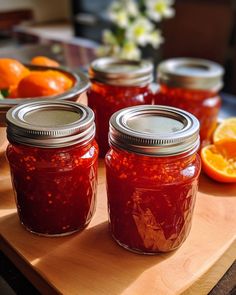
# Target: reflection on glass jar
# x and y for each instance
(192, 85)
(152, 177)
(116, 84)
(53, 161)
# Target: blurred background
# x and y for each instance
(200, 28)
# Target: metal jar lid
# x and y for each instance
(121, 72)
(154, 130)
(191, 73)
(50, 124)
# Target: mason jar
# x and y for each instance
(53, 161)
(193, 85)
(116, 84)
(152, 171)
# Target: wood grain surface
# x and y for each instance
(90, 262)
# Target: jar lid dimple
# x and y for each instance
(154, 130)
(121, 72)
(191, 73)
(50, 124)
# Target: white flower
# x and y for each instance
(108, 37)
(118, 14)
(116, 5)
(132, 8)
(130, 51)
(108, 50)
(102, 51)
(138, 31)
(158, 9)
(134, 27)
(120, 18)
(155, 38)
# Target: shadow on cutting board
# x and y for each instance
(214, 188)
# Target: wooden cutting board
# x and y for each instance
(90, 262)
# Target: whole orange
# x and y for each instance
(12, 92)
(61, 78)
(11, 72)
(39, 83)
(44, 61)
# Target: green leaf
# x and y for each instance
(4, 92)
(1, 96)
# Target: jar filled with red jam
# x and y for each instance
(192, 84)
(53, 161)
(117, 84)
(152, 174)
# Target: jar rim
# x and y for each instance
(191, 73)
(121, 72)
(50, 124)
(154, 130)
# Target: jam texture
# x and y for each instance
(205, 105)
(151, 199)
(105, 100)
(55, 188)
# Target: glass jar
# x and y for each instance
(152, 174)
(116, 84)
(192, 85)
(53, 161)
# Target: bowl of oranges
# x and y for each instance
(42, 78)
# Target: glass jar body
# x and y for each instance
(55, 188)
(106, 99)
(151, 199)
(205, 105)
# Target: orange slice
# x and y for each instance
(219, 160)
(227, 129)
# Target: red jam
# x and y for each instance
(151, 199)
(105, 100)
(205, 105)
(55, 188)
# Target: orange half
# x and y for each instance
(219, 160)
(227, 129)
